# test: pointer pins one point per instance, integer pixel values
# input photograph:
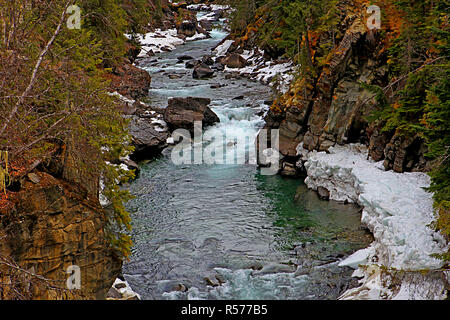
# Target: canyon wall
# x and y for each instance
(332, 107)
(54, 224)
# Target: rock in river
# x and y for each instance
(182, 112)
(149, 139)
(202, 71)
(234, 61)
(191, 63)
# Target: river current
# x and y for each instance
(227, 231)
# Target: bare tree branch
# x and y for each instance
(36, 69)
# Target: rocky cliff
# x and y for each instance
(51, 225)
(331, 104)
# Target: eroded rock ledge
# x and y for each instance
(333, 107)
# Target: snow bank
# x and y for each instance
(207, 7)
(197, 36)
(222, 49)
(125, 290)
(158, 41)
(259, 69)
(397, 209)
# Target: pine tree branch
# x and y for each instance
(36, 69)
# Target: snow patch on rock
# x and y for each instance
(125, 290)
(396, 209)
(222, 49)
(259, 69)
(197, 36)
(157, 41)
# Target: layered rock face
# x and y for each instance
(333, 107)
(54, 225)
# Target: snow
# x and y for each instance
(104, 202)
(159, 124)
(267, 73)
(207, 7)
(126, 291)
(158, 41)
(209, 17)
(260, 70)
(123, 98)
(396, 209)
(222, 49)
(196, 36)
(360, 257)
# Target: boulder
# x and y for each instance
(130, 81)
(191, 64)
(147, 138)
(183, 112)
(218, 67)
(324, 194)
(202, 71)
(184, 58)
(288, 169)
(208, 60)
(174, 76)
(187, 28)
(113, 294)
(206, 24)
(234, 61)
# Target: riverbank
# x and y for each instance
(399, 213)
(253, 236)
(396, 208)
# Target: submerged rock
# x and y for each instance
(184, 58)
(324, 194)
(274, 268)
(191, 63)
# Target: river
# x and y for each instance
(226, 231)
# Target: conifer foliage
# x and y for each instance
(53, 96)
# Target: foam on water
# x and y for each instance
(243, 285)
(193, 221)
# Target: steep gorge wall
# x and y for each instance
(333, 107)
(53, 224)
